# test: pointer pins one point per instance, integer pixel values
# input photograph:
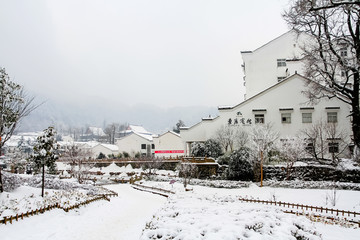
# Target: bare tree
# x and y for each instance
(323, 138)
(178, 125)
(78, 158)
(316, 138)
(14, 106)
(150, 165)
(187, 170)
(291, 149)
(241, 138)
(226, 135)
(262, 138)
(333, 58)
(110, 130)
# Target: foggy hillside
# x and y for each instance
(64, 115)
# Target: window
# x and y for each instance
(310, 147)
(343, 52)
(343, 73)
(281, 62)
(332, 117)
(152, 146)
(259, 118)
(333, 147)
(286, 117)
(307, 117)
(280, 78)
(143, 146)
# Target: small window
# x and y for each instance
(152, 146)
(259, 118)
(310, 147)
(143, 146)
(343, 52)
(332, 117)
(286, 117)
(343, 73)
(281, 62)
(333, 147)
(307, 117)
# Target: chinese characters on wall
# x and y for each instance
(239, 120)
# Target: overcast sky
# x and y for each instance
(164, 52)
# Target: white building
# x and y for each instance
(274, 95)
(136, 143)
(168, 145)
(106, 149)
(273, 62)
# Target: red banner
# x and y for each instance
(169, 151)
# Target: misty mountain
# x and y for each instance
(101, 112)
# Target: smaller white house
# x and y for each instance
(93, 147)
(168, 144)
(106, 149)
(136, 143)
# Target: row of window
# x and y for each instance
(333, 147)
(306, 117)
(143, 146)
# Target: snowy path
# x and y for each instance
(123, 217)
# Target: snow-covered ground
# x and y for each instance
(123, 217)
(213, 213)
(203, 213)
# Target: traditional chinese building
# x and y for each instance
(274, 95)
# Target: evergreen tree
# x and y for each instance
(45, 151)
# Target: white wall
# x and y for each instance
(284, 95)
(261, 70)
(102, 149)
(132, 144)
(169, 144)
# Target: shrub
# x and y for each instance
(239, 165)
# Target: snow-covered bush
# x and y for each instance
(10, 181)
(197, 149)
(210, 148)
(239, 166)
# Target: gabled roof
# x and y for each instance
(144, 136)
(264, 91)
(110, 146)
(202, 120)
(171, 132)
(273, 40)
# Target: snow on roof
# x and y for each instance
(138, 129)
(146, 136)
(91, 144)
(112, 147)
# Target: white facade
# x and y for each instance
(168, 145)
(106, 149)
(274, 87)
(135, 143)
(272, 62)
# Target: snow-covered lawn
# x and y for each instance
(123, 217)
(197, 216)
(213, 213)
(203, 213)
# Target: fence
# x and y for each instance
(154, 190)
(21, 216)
(303, 207)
